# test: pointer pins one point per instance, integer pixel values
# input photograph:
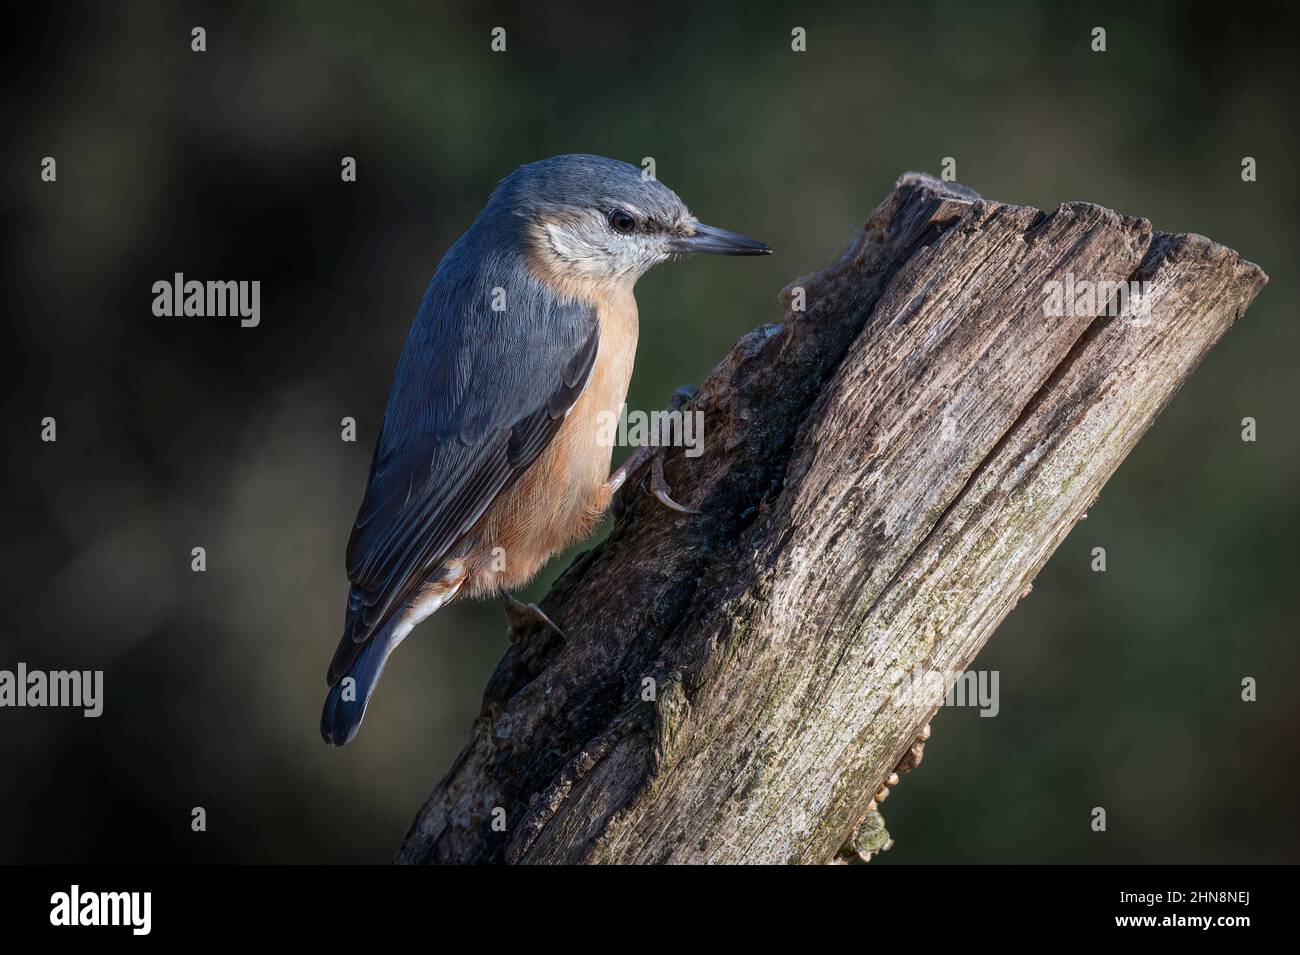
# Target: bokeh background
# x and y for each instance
(1119, 689)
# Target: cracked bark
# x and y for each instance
(884, 474)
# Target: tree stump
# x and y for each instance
(884, 473)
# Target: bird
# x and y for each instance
(488, 461)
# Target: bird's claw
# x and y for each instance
(681, 396)
(659, 486)
(655, 454)
(523, 617)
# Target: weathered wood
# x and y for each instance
(884, 474)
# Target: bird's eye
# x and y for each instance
(622, 222)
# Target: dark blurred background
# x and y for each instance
(1119, 689)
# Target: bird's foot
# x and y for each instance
(654, 455)
(523, 617)
(658, 484)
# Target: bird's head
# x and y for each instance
(588, 220)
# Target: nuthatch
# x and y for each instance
(488, 462)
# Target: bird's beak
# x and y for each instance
(711, 239)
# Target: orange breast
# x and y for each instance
(562, 496)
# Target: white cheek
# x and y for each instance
(612, 255)
(573, 249)
(632, 254)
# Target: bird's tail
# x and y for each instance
(345, 706)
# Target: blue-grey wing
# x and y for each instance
(478, 394)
